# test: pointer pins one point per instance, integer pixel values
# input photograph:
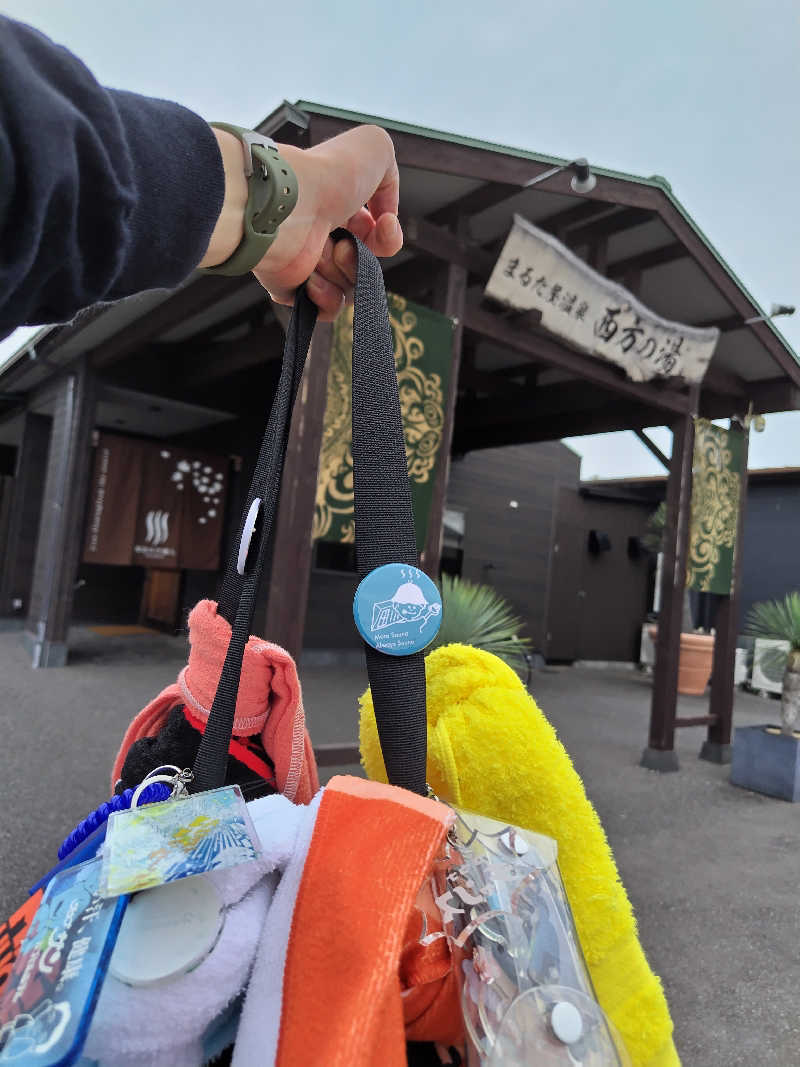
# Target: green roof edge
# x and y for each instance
(656, 181)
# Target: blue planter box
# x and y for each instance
(766, 763)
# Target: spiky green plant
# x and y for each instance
(477, 615)
(653, 539)
(779, 620)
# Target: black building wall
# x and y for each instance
(505, 546)
(770, 563)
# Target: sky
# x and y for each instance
(703, 92)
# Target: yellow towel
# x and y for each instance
(492, 751)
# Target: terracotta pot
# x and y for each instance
(695, 662)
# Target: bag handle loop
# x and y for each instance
(384, 525)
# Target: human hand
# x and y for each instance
(350, 181)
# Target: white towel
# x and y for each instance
(259, 1025)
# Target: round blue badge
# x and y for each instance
(397, 609)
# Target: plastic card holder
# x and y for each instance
(50, 996)
(177, 838)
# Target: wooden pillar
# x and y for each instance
(717, 746)
(61, 528)
(291, 555)
(451, 303)
(18, 553)
(659, 754)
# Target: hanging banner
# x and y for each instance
(593, 314)
(423, 346)
(716, 490)
(152, 505)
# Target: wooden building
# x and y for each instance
(198, 366)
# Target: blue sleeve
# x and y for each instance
(103, 193)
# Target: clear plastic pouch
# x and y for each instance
(526, 993)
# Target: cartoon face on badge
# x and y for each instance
(407, 605)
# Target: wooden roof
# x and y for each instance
(517, 383)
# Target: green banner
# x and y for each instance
(716, 490)
(423, 345)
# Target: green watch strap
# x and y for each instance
(271, 197)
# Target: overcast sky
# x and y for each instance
(704, 92)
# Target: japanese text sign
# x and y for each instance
(593, 314)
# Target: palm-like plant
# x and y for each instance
(779, 620)
(478, 615)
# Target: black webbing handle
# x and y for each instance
(384, 524)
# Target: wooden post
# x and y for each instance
(18, 553)
(58, 549)
(450, 303)
(659, 754)
(291, 556)
(717, 747)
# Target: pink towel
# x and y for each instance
(269, 702)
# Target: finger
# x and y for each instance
(361, 224)
(344, 256)
(329, 298)
(330, 272)
(386, 238)
(330, 268)
(386, 197)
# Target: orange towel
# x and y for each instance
(269, 702)
(372, 849)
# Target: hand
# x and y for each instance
(350, 181)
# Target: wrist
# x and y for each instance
(229, 229)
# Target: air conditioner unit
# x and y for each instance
(767, 675)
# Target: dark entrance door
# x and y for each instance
(599, 579)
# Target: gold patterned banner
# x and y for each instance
(716, 489)
(423, 342)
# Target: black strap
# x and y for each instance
(384, 529)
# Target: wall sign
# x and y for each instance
(152, 505)
(593, 314)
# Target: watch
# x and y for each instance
(271, 197)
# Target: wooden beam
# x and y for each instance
(652, 447)
(562, 222)
(552, 427)
(615, 222)
(488, 382)
(60, 534)
(656, 257)
(291, 555)
(659, 754)
(196, 297)
(697, 720)
(723, 381)
(437, 241)
(725, 325)
(543, 350)
(454, 297)
(471, 161)
(473, 203)
(717, 746)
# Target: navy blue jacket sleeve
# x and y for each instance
(103, 193)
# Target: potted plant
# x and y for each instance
(477, 615)
(696, 656)
(767, 758)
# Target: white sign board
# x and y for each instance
(593, 314)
